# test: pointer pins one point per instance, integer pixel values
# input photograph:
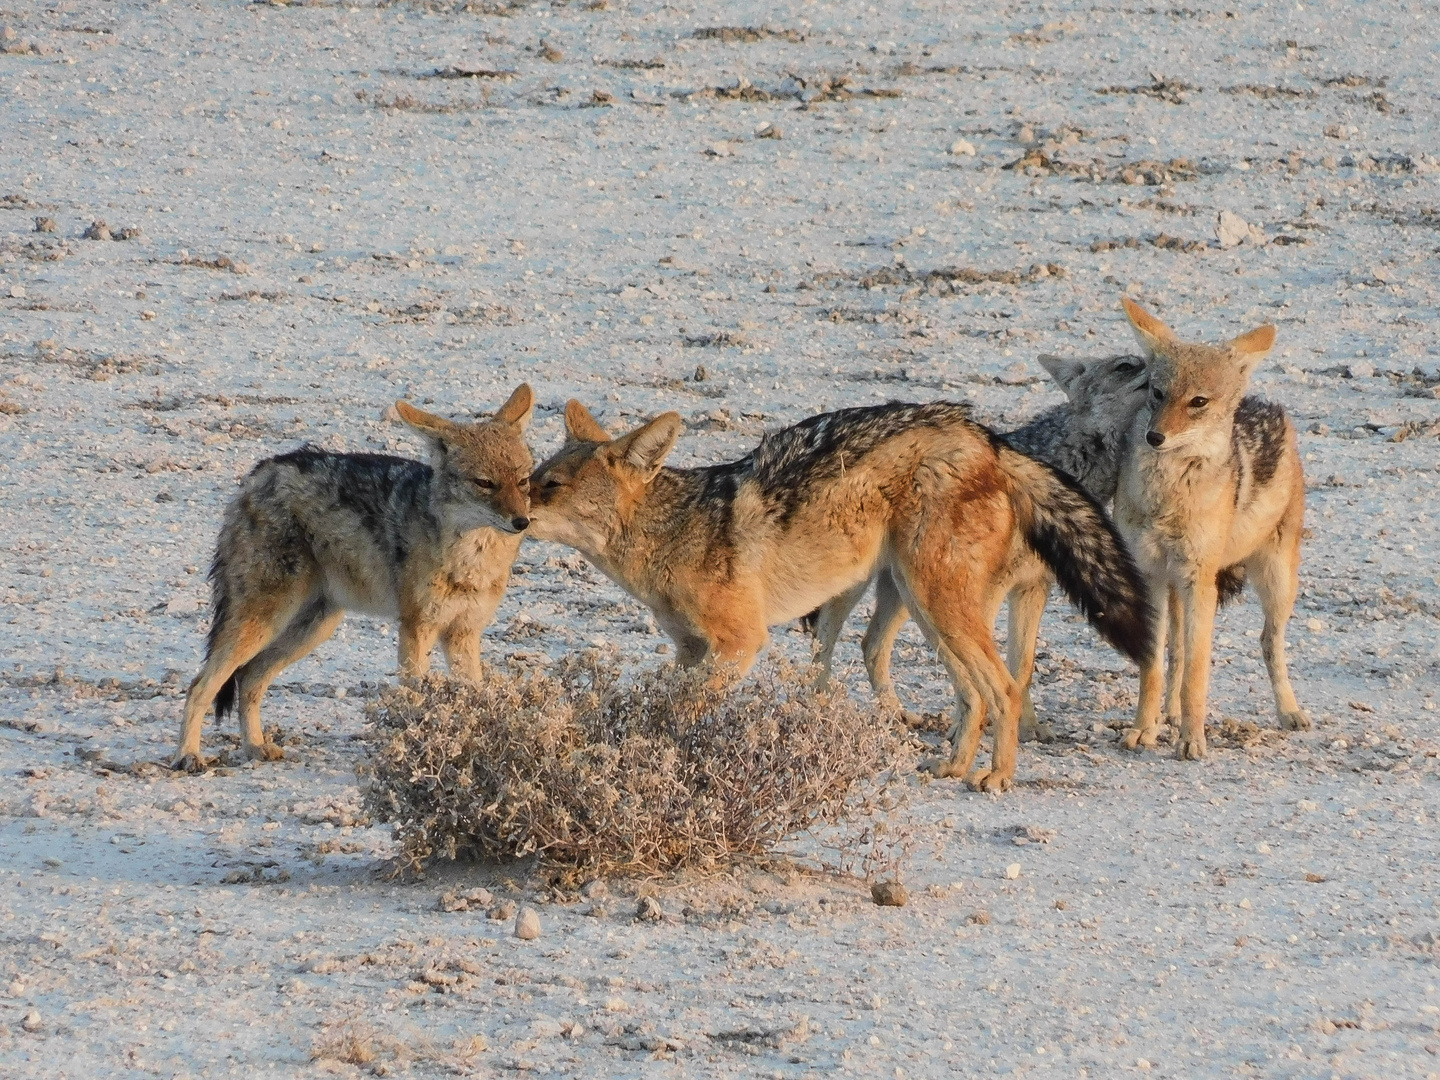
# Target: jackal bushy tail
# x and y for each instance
(1075, 538)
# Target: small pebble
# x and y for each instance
(648, 909)
(98, 230)
(1012, 871)
(962, 148)
(767, 131)
(32, 1021)
(17, 292)
(527, 924)
(45, 224)
(889, 894)
(502, 911)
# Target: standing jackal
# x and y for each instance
(722, 553)
(313, 534)
(1211, 493)
(1084, 437)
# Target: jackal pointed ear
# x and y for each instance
(434, 427)
(1153, 333)
(1063, 371)
(645, 448)
(1251, 348)
(518, 409)
(580, 426)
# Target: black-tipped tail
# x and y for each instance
(219, 613)
(1077, 540)
(1230, 583)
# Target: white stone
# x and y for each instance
(1231, 229)
(962, 148)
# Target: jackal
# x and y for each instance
(313, 534)
(722, 553)
(1083, 437)
(1211, 492)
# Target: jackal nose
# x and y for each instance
(520, 523)
(1154, 438)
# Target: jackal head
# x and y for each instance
(482, 471)
(586, 494)
(1105, 394)
(1194, 389)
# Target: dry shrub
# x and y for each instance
(597, 773)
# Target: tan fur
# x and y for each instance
(936, 505)
(298, 549)
(1192, 506)
(1103, 399)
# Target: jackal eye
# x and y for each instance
(524, 485)
(1125, 367)
(1199, 402)
(1156, 394)
(551, 484)
(483, 484)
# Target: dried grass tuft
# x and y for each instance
(594, 772)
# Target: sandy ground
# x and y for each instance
(324, 226)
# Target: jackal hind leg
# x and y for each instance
(960, 628)
(1146, 728)
(879, 643)
(247, 627)
(311, 626)
(1027, 605)
(1277, 581)
(829, 621)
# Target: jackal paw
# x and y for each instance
(190, 763)
(1299, 720)
(1036, 732)
(266, 751)
(1140, 738)
(990, 780)
(1190, 747)
(942, 768)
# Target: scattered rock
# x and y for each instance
(649, 910)
(502, 911)
(601, 99)
(32, 1021)
(17, 292)
(962, 148)
(98, 230)
(45, 224)
(978, 918)
(719, 149)
(767, 131)
(595, 890)
(1012, 871)
(1231, 230)
(889, 894)
(527, 924)
(550, 53)
(478, 899)
(1360, 369)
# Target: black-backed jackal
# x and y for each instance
(313, 534)
(1211, 493)
(1082, 437)
(722, 553)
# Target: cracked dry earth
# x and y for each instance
(227, 227)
